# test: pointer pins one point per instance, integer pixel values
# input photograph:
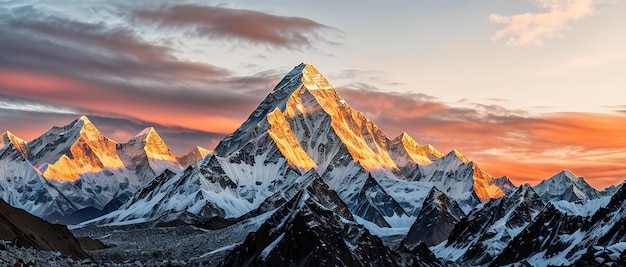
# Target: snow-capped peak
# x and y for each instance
(202, 151)
(193, 156)
(565, 185)
(155, 147)
(84, 119)
(313, 79)
(484, 184)
(455, 153)
(569, 175)
(8, 138)
(419, 154)
(146, 132)
(78, 140)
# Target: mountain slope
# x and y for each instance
(483, 234)
(193, 156)
(437, 218)
(27, 230)
(565, 185)
(303, 125)
(408, 154)
(146, 155)
(460, 179)
(313, 228)
(558, 238)
(22, 186)
(79, 171)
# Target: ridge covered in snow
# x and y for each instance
(304, 125)
(325, 179)
(193, 156)
(565, 185)
(77, 173)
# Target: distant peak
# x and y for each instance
(458, 155)
(525, 187)
(7, 134)
(84, 120)
(406, 137)
(569, 175)
(6, 138)
(10, 137)
(202, 151)
(146, 132)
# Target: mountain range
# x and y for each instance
(335, 188)
(74, 173)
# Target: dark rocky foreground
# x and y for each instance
(147, 245)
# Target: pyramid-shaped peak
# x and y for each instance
(202, 151)
(148, 131)
(406, 138)
(6, 134)
(313, 79)
(434, 193)
(80, 127)
(455, 153)
(84, 119)
(9, 138)
(569, 175)
(525, 190)
(82, 123)
(307, 75)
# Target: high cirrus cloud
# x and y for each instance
(252, 26)
(536, 28)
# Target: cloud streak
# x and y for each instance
(250, 26)
(536, 28)
(98, 69)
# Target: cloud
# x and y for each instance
(247, 25)
(11, 103)
(98, 69)
(504, 142)
(536, 28)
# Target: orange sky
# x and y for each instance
(195, 72)
(526, 148)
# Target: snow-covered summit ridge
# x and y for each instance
(421, 154)
(81, 168)
(146, 132)
(193, 156)
(7, 138)
(565, 185)
(313, 79)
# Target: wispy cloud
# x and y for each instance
(60, 61)
(245, 25)
(536, 28)
(11, 103)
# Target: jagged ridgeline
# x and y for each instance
(315, 182)
(304, 125)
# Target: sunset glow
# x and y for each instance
(524, 90)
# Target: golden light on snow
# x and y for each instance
(287, 143)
